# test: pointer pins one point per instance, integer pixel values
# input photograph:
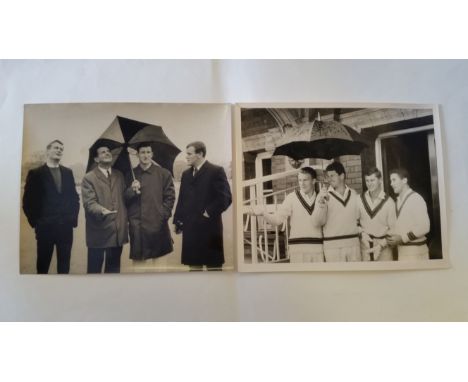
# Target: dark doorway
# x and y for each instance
(416, 152)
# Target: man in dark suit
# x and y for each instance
(51, 204)
(204, 195)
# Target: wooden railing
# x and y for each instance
(263, 234)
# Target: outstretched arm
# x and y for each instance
(276, 218)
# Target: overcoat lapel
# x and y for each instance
(200, 172)
(101, 176)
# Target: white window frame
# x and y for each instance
(380, 137)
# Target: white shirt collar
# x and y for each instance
(310, 199)
(50, 165)
(380, 196)
(200, 165)
(104, 171)
(347, 189)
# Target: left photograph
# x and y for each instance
(126, 188)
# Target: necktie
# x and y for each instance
(108, 174)
(195, 170)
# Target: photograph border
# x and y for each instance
(241, 266)
(228, 225)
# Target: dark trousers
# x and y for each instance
(60, 236)
(96, 258)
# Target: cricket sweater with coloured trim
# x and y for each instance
(299, 208)
(412, 219)
(339, 217)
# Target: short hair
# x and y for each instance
(54, 141)
(96, 148)
(198, 146)
(144, 144)
(373, 171)
(308, 170)
(337, 167)
(401, 172)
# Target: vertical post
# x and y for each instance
(276, 255)
(286, 238)
(265, 232)
(253, 227)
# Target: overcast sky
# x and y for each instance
(79, 125)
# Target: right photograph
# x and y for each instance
(339, 187)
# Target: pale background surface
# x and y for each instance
(79, 125)
(382, 296)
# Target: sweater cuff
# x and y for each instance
(411, 236)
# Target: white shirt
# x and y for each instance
(199, 166)
(104, 171)
(412, 219)
(376, 217)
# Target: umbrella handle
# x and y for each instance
(133, 174)
(131, 168)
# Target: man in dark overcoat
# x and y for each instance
(150, 199)
(204, 195)
(102, 190)
(51, 204)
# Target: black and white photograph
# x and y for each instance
(125, 188)
(339, 187)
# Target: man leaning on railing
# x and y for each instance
(305, 243)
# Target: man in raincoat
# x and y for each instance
(102, 190)
(150, 199)
(204, 195)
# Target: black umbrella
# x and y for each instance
(116, 138)
(321, 139)
(164, 151)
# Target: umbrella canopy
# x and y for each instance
(116, 137)
(164, 151)
(321, 139)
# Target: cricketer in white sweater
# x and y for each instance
(338, 214)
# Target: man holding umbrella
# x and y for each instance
(150, 199)
(102, 190)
